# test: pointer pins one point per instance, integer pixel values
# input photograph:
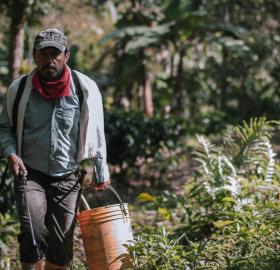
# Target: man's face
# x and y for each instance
(50, 62)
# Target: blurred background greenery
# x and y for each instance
(167, 70)
(211, 62)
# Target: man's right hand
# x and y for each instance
(16, 164)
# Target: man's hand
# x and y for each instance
(101, 186)
(16, 164)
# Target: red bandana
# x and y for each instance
(55, 89)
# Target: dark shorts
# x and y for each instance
(53, 204)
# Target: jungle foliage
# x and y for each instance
(211, 62)
(228, 215)
(168, 70)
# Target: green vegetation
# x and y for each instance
(9, 228)
(191, 98)
(133, 139)
(228, 215)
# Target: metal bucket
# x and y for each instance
(106, 233)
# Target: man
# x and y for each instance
(55, 131)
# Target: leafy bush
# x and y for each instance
(158, 251)
(229, 211)
(7, 197)
(132, 136)
(248, 239)
(8, 248)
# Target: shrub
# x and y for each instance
(131, 137)
(158, 251)
(229, 211)
(8, 248)
(7, 197)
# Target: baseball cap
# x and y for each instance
(51, 38)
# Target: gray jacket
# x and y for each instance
(92, 144)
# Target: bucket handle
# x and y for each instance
(119, 198)
(86, 205)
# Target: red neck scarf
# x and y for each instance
(54, 89)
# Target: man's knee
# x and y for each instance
(39, 265)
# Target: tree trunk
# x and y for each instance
(243, 101)
(224, 68)
(178, 89)
(145, 90)
(148, 97)
(16, 40)
(224, 83)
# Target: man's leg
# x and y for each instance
(50, 266)
(62, 200)
(31, 196)
(40, 265)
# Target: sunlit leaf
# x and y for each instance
(145, 197)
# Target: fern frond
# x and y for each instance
(277, 171)
(218, 172)
(246, 151)
(222, 161)
(205, 154)
(264, 160)
(247, 137)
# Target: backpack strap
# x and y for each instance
(17, 100)
(78, 87)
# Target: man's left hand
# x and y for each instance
(101, 186)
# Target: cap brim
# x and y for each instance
(44, 44)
